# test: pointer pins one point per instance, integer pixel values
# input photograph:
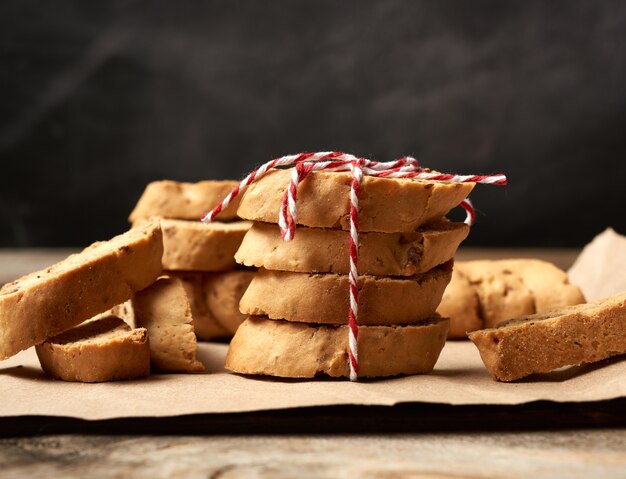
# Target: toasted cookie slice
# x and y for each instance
(460, 304)
(386, 205)
(196, 246)
(318, 250)
(102, 349)
(543, 342)
(185, 201)
(45, 303)
(550, 286)
(163, 309)
(223, 294)
(300, 350)
(505, 289)
(205, 324)
(324, 299)
(501, 295)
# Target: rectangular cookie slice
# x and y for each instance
(324, 298)
(319, 250)
(45, 303)
(386, 205)
(102, 349)
(300, 350)
(196, 246)
(185, 201)
(544, 342)
(164, 310)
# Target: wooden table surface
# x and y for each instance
(406, 441)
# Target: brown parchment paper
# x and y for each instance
(459, 377)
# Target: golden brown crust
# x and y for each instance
(223, 294)
(184, 201)
(45, 303)
(317, 250)
(323, 298)
(103, 349)
(300, 350)
(163, 309)
(385, 205)
(196, 246)
(460, 304)
(543, 342)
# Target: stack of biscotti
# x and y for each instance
(298, 303)
(200, 255)
(483, 293)
(40, 309)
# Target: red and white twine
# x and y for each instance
(305, 163)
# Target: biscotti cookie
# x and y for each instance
(223, 294)
(460, 304)
(386, 205)
(300, 350)
(102, 349)
(163, 309)
(205, 325)
(500, 296)
(196, 246)
(45, 303)
(318, 250)
(550, 286)
(505, 289)
(543, 342)
(323, 298)
(185, 201)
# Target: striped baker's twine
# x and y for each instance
(305, 163)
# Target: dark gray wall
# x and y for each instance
(98, 98)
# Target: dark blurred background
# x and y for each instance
(98, 98)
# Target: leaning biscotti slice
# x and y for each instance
(205, 324)
(196, 246)
(102, 349)
(460, 304)
(319, 250)
(45, 303)
(544, 342)
(223, 293)
(386, 205)
(163, 309)
(324, 298)
(185, 201)
(300, 350)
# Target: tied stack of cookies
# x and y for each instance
(299, 303)
(197, 257)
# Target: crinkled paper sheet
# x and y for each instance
(459, 377)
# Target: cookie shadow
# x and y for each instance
(567, 373)
(24, 372)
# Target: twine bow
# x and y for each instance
(306, 163)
